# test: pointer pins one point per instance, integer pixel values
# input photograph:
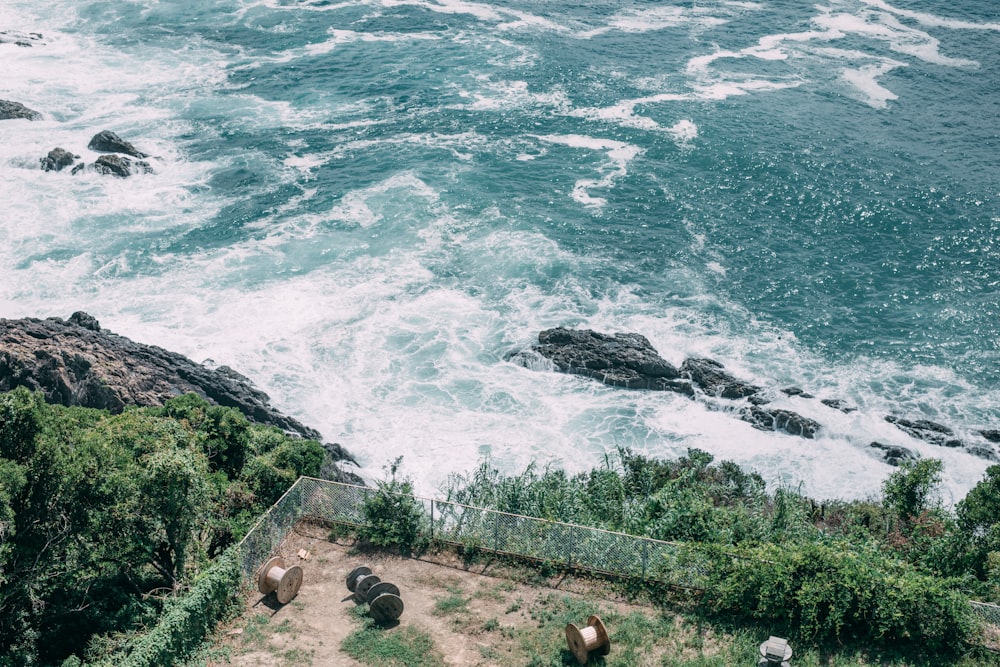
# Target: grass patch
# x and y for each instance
(452, 604)
(401, 646)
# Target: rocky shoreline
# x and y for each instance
(75, 362)
(629, 361)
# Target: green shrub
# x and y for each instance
(835, 591)
(393, 516)
(908, 491)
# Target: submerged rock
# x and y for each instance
(19, 38)
(14, 110)
(767, 419)
(58, 159)
(107, 141)
(893, 454)
(983, 452)
(121, 166)
(992, 435)
(838, 404)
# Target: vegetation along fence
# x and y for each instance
(581, 547)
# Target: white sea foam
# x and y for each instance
(636, 20)
(865, 80)
(619, 155)
(932, 20)
(340, 37)
(495, 95)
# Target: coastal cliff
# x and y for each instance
(75, 362)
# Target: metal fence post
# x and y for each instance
(432, 519)
(496, 531)
(645, 557)
(569, 549)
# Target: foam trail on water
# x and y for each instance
(865, 79)
(619, 155)
(932, 20)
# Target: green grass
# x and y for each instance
(400, 646)
(452, 604)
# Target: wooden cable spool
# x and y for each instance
(274, 578)
(583, 641)
(360, 580)
(384, 603)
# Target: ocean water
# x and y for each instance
(366, 206)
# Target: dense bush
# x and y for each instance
(832, 591)
(393, 517)
(104, 517)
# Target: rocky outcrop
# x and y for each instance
(76, 362)
(107, 141)
(58, 159)
(14, 110)
(628, 360)
(926, 430)
(620, 360)
(121, 166)
(712, 378)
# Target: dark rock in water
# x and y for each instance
(76, 362)
(991, 434)
(983, 452)
(838, 404)
(709, 375)
(767, 419)
(107, 141)
(620, 360)
(893, 454)
(796, 391)
(13, 110)
(926, 430)
(19, 38)
(117, 165)
(57, 159)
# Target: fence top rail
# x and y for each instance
(589, 529)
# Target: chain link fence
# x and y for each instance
(581, 547)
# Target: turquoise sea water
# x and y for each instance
(366, 206)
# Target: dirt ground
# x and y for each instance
(473, 613)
